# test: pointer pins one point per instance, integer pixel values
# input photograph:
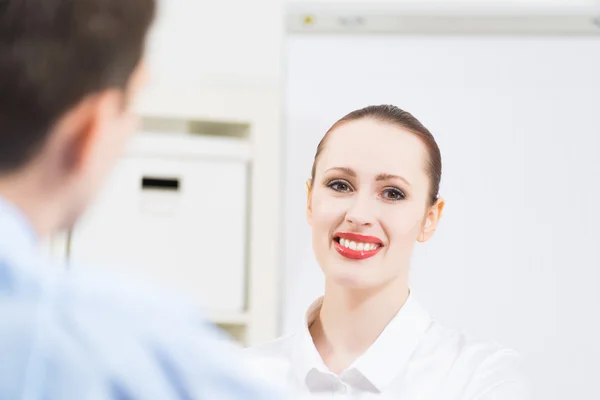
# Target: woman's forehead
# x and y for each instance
(377, 147)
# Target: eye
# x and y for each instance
(340, 186)
(393, 194)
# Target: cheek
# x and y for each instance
(326, 213)
(403, 223)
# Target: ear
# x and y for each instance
(309, 201)
(81, 128)
(431, 221)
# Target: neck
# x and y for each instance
(27, 192)
(351, 320)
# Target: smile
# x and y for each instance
(355, 246)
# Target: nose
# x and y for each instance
(360, 213)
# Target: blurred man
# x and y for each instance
(69, 70)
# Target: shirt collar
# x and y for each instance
(388, 356)
(16, 232)
(305, 355)
(380, 364)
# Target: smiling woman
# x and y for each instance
(376, 173)
(373, 193)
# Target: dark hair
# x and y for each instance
(395, 116)
(53, 54)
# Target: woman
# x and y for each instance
(373, 193)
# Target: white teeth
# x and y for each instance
(358, 246)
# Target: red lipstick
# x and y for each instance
(356, 246)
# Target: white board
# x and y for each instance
(517, 256)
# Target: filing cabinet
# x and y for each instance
(175, 210)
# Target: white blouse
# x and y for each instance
(413, 358)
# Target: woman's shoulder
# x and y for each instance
(481, 364)
(462, 344)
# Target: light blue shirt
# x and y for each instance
(83, 336)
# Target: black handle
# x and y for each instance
(151, 183)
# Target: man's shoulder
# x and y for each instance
(107, 329)
(134, 307)
(60, 327)
(124, 293)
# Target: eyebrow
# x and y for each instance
(346, 170)
(386, 177)
(378, 178)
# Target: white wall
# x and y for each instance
(516, 257)
(226, 41)
(225, 46)
(237, 44)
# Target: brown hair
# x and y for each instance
(395, 116)
(53, 54)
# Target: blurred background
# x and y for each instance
(209, 198)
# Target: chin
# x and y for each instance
(351, 278)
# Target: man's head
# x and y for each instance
(68, 72)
